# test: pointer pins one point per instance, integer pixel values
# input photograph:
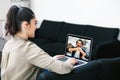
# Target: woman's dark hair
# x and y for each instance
(15, 16)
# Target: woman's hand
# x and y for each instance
(58, 56)
(72, 61)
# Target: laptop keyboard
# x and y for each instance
(63, 59)
(79, 62)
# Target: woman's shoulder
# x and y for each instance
(8, 42)
(30, 44)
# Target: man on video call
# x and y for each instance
(77, 51)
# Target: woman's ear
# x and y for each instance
(25, 24)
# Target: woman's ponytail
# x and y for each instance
(11, 25)
(15, 17)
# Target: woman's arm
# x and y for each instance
(40, 58)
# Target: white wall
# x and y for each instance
(95, 12)
(6, 4)
(4, 7)
(104, 13)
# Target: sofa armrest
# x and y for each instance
(110, 69)
(109, 49)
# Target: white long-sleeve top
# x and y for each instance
(23, 59)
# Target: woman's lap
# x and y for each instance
(85, 72)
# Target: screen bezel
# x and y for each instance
(83, 37)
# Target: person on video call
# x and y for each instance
(77, 51)
(24, 60)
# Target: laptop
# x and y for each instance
(79, 47)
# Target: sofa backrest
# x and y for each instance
(49, 30)
(101, 34)
(56, 31)
(72, 29)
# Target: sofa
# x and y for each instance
(105, 56)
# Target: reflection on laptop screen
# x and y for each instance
(78, 47)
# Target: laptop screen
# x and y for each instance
(78, 46)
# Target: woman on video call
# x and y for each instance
(23, 59)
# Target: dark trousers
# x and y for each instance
(88, 71)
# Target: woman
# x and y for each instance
(22, 59)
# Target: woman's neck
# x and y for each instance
(22, 35)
